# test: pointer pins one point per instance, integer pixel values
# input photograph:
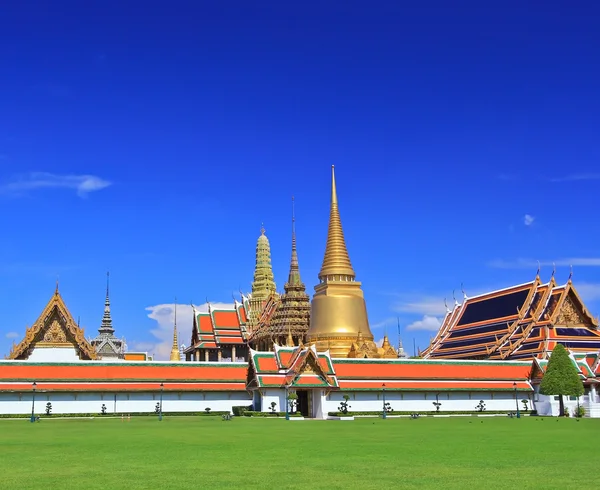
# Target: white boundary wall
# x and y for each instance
(87, 402)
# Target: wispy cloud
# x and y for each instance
(164, 316)
(386, 322)
(528, 220)
(576, 177)
(12, 335)
(532, 264)
(422, 305)
(429, 323)
(82, 184)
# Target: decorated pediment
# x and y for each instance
(571, 313)
(55, 327)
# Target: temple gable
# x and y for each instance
(54, 336)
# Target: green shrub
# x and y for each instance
(250, 413)
(239, 411)
(374, 414)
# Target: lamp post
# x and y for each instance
(287, 404)
(160, 406)
(516, 401)
(33, 386)
(384, 415)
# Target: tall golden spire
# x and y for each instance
(338, 310)
(336, 260)
(175, 356)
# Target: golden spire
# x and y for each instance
(336, 260)
(175, 356)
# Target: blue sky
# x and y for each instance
(153, 140)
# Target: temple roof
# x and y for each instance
(519, 322)
(286, 367)
(54, 327)
(219, 326)
(122, 376)
(291, 367)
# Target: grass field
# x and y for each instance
(206, 452)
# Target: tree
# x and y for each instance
(561, 377)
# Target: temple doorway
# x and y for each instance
(304, 403)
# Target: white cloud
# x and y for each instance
(12, 335)
(576, 177)
(533, 264)
(387, 322)
(430, 323)
(424, 305)
(528, 220)
(164, 316)
(82, 184)
(379, 343)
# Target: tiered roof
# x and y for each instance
(520, 322)
(220, 326)
(294, 367)
(122, 376)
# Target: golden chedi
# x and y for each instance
(338, 310)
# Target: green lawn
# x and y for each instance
(206, 452)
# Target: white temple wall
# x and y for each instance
(368, 401)
(54, 354)
(272, 395)
(20, 403)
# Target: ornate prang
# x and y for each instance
(290, 320)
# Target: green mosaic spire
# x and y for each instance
(264, 280)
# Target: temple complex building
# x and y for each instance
(106, 344)
(220, 334)
(520, 322)
(285, 320)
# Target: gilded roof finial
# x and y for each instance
(570, 273)
(553, 269)
(175, 356)
(537, 275)
(57, 278)
(336, 260)
(262, 229)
